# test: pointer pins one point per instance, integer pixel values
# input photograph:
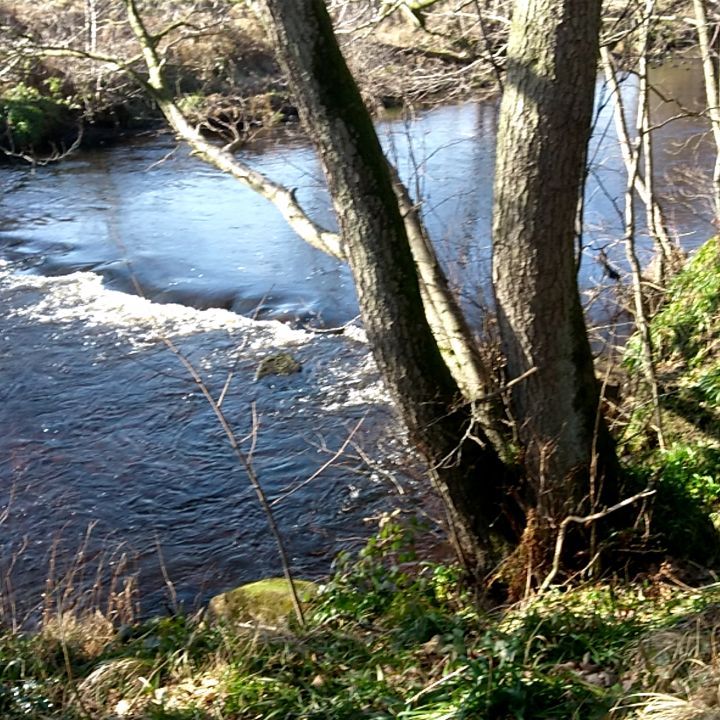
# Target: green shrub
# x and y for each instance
(29, 117)
(687, 484)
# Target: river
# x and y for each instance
(109, 450)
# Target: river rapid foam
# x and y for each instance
(103, 427)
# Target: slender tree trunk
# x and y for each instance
(90, 26)
(712, 90)
(632, 151)
(668, 256)
(467, 472)
(642, 129)
(448, 325)
(544, 129)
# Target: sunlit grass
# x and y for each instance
(389, 636)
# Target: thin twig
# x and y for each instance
(587, 519)
(322, 468)
(248, 467)
(166, 578)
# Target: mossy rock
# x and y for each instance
(280, 364)
(265, 602)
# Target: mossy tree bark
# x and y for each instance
(466, 470)
(545, 122)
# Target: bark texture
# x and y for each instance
(544, 129)
(467, 472)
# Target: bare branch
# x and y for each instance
(585, 520)
(56, 155)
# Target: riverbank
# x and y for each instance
(389, 636)
(220, 65)
(222, 69)
(392, 634)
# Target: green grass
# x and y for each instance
(389, 636)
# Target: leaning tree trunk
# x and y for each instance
(544, 129)
(467, 472)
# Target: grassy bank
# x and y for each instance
(390, 636)
(686, 339)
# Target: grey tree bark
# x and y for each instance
(544, 128)
(464, 466)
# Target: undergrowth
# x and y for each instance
(29, 116)
(389, 636)
(686, 474)
(686, 340)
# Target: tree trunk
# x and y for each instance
(544, 129)
(450, 329)
(467, 471)
(712, 90)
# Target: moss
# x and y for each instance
(267, 602)
(280, 364)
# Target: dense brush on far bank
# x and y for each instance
(222, 68)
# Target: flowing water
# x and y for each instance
(103, 427)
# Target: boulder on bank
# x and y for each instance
(265, 602)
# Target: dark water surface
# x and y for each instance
(100, 422)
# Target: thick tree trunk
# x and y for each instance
(544, 129)
(467, 472)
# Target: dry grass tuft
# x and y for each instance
(682, 667)
(121, 681)
(88, 635)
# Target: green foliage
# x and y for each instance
(687, 325)
(687, 483)
(708, 385)
(686, 339)
(28, 116)
(387, 584)
(175, 641)
(694, 470)
(29, 684)
(531, 664)
(389, 637)
(364, 636)
(326, 675)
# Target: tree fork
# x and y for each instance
(466, 470)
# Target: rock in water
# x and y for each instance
(281, 364)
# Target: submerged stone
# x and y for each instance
(281, 364)
(265, 602)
